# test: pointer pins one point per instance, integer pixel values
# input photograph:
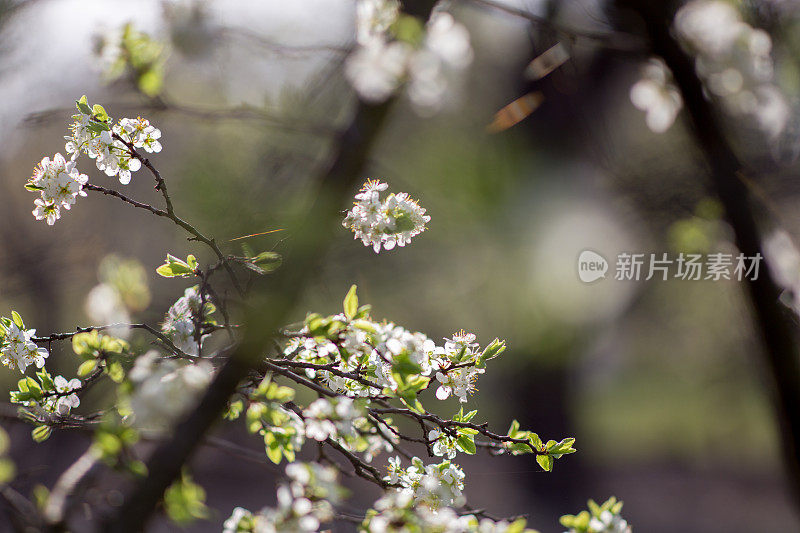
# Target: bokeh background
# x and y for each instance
(660, 382)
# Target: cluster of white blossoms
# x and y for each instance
(164, 390)
(17, 350)
(456, 362)
(140, 133)
(181, 318)
(65, 398)
(397, 511)
(92, 132)
(657, 96)
(444, 444)
(59, 398)
(435, 485)
(384, 223)
(376, 346)
(734, 61)
(304, 503)
(59, 184)
(426, 63)
(326, 418)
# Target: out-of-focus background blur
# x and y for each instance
(660, 382)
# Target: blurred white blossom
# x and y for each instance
(655, 94)
(165, 389)
(378, 67)
(373, 18)
(105, 306)
(733, 59)
(181, 319)
(304, 503)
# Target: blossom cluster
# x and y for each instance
(17, 349)
(49, 396)
(326, 418)
(304, 503)
(426, 59)
(164, 389)
(384, 223)
(657, 96)
(734, 61)
(434, 485)
(397, 511)
(94, 133)
(184, 317)
(377, 347)
(59, 184)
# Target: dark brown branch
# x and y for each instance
(134, 203)
(773, 324)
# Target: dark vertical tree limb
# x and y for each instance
(773, 324)
(264, 317)
(267, 312)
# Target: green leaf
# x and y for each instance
(17, 319)
(404, 366)
(545, 461)
(268, 261)
(184, 501)
(351, 303)
(97, 126)
(108, 443)
(83, 105)
(274, 454)
(561, 448)
(6, 471)
(99, 113)
(466, 444)
(34, 188)
(469, 416)
(137, 468)
(45, 380)
(495, 348)
(408, 29)
(41, 433)
(116, 372)
(87, 367)
(151, 82)
(174, 267)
